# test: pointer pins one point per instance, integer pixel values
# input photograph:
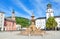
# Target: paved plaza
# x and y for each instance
(15, 35)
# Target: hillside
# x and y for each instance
(24, 22)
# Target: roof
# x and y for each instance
(49, 5)
(1, 12)
(9, 19)
(57, 16)
(45, 17)
(41, 18)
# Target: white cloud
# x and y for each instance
(21, 15)
(20, 5)
(56, 12)
(8, 12)
(39, 7)
(4, 10)
(58, 1)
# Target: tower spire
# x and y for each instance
(49, 5)
(13, 15)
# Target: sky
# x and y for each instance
(25, 8)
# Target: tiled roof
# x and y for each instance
(9, 19)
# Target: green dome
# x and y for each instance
(49, 5)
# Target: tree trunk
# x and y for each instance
(55, 28)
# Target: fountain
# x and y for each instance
(32, 29)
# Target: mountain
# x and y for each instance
(24, 22)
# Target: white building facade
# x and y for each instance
(57, 18)
(1, 21)
(41, 21)
(18, 26)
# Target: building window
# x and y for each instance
(1, 14)
(0, 24)
(1, 21)
(59, 18)
(37, 25)
(37, 22)
(59, 21)
(59, 24)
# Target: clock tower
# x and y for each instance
(49, 11)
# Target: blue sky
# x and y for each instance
(24, 8)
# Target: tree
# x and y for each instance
(24, 22)
(51, 23)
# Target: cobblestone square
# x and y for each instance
(15, 35)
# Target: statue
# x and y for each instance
(32, 29)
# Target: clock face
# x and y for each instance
(50, 10)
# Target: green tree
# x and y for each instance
(24, 22)
(51, 23)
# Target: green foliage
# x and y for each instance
(51, 23)
(24, 22)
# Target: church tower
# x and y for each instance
(49, 11)
(13, 15)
